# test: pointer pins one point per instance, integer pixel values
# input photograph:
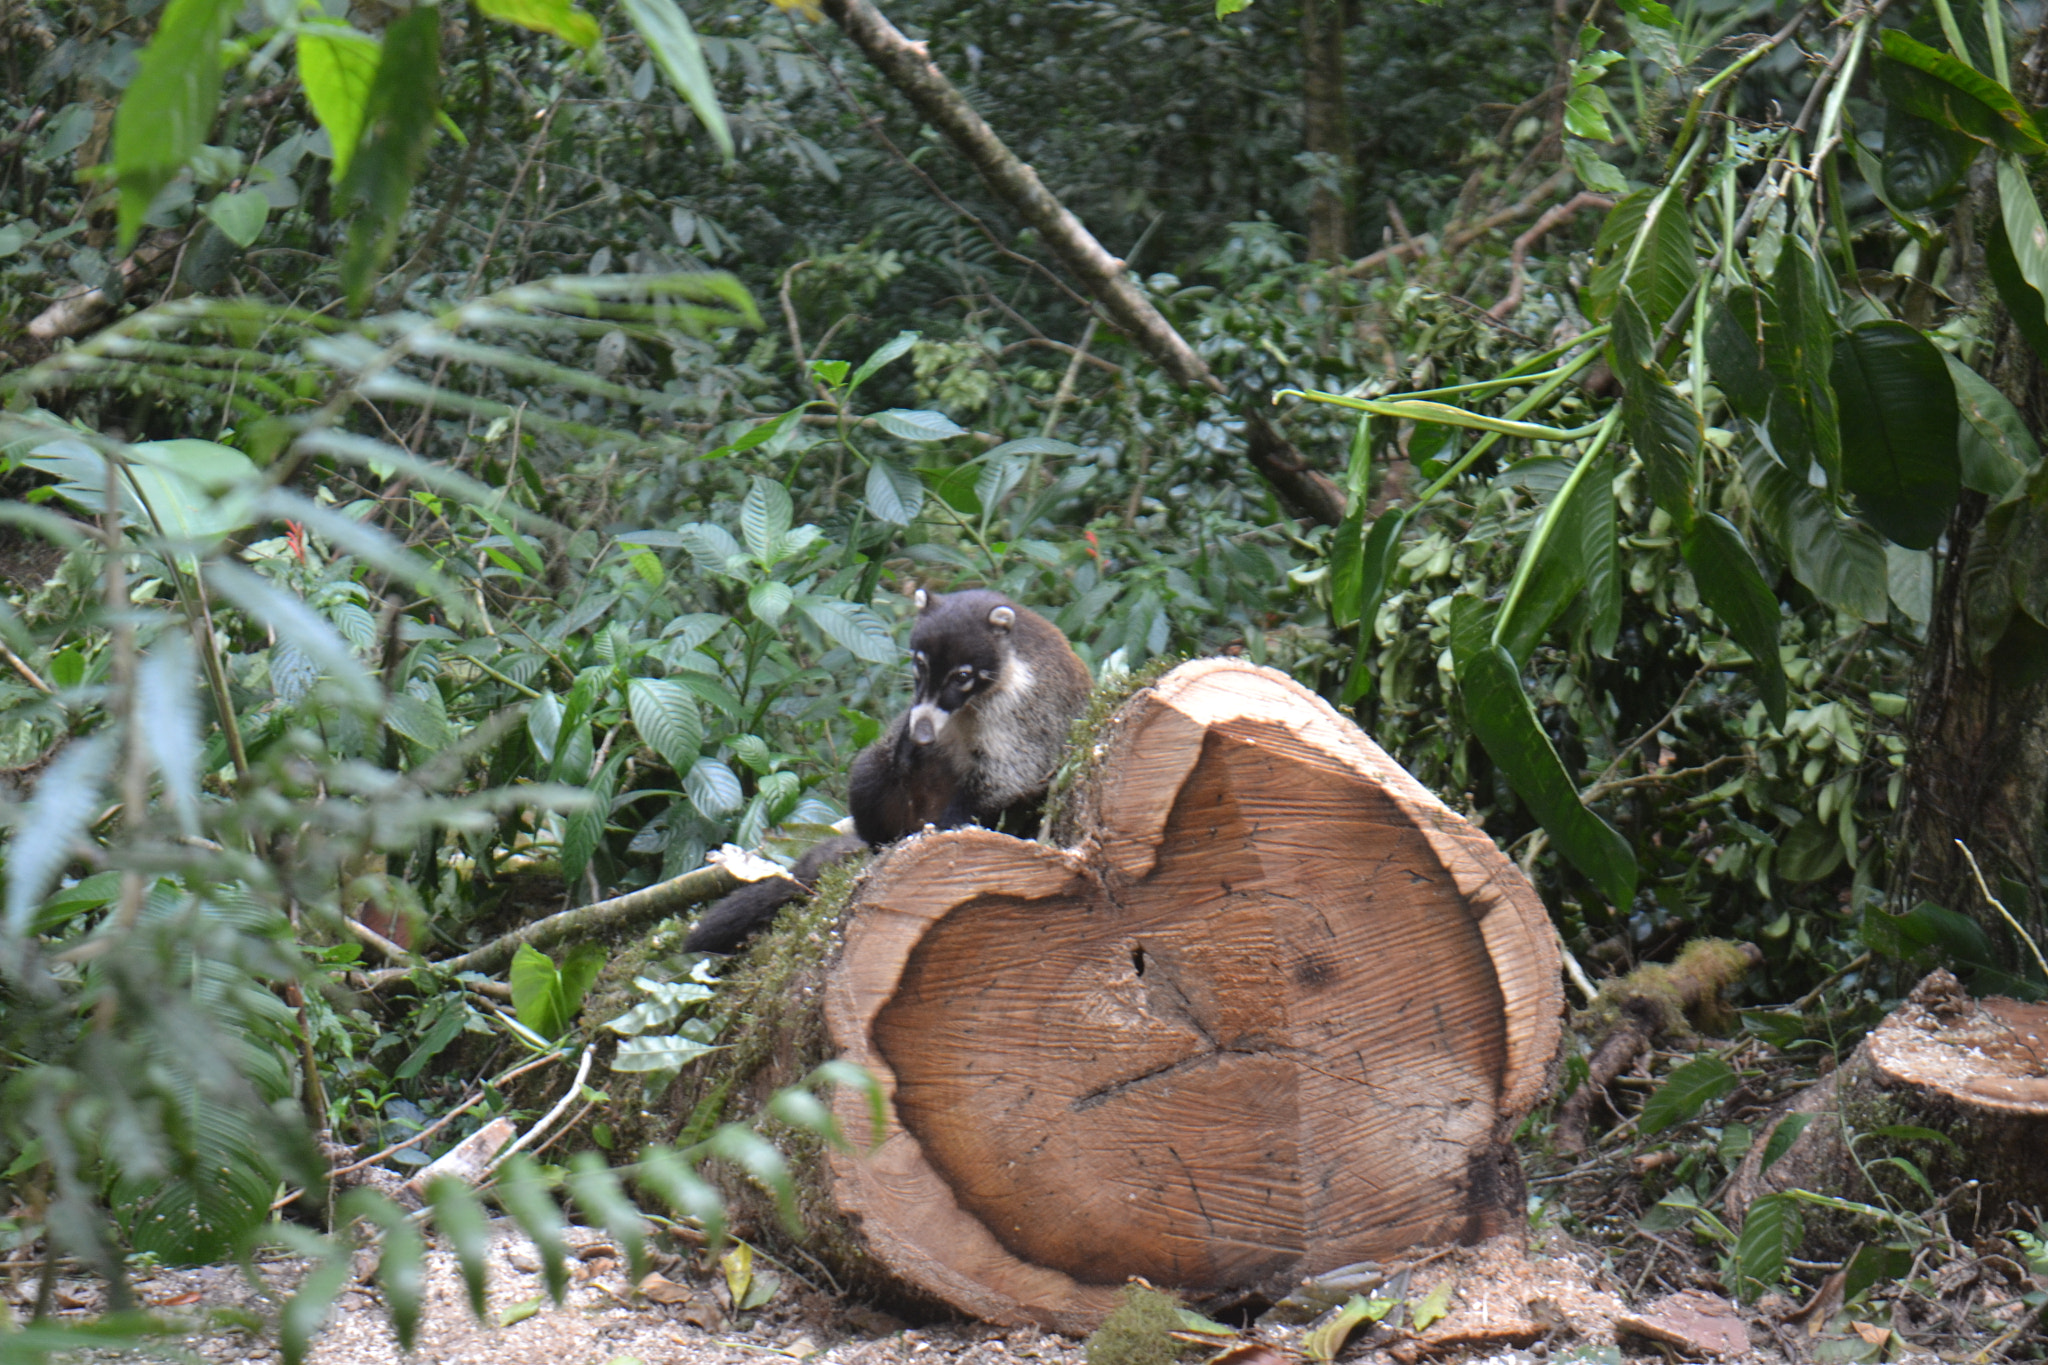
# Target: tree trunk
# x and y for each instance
(908, 66)
(1326, 129)
(1977, 758)
(1267, 1008)
(1974, 1072)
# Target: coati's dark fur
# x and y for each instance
(998, 689)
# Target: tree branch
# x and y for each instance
(908, 66)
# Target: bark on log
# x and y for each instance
(1973, 1071)
(1268, 1008)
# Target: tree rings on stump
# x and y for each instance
(1273, 1009)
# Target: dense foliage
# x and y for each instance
(466, 462)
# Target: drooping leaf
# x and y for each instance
(1992, 443)
(1667, 432)
(1687, 1090)
(1730, 582)
(1842, 562)
(169, 106)
(1500, 713)
(533, 1209)
(398, 124)
(1735, 337)
(604, 1203)
(459, 1216)
(336, 67)
(689, 1194)
(1798, 350)
(671, 41)
(1898, 416)
(559, 17)
(894, 494)
(1553, 565)
(2023, 302)
(1664, 266)
(1939, 86)
(297, 623)
(1923, 161)
(712, 787)
(1347, 565)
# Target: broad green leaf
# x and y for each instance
(1842, 562)
(1730, 582)
(1667, 432)
(1898, 416)
(1226, 8)
(1770, 1233)
(1735, 338)
(889, 350)
(296, 623)
(66, 798)
(712, 788)
(398, 123)
(305, 1313)
(423, 719)
(1939, 86)
(558, 17)
(999, 478)
(1322, 1342)
(1501, 715)
(658, 1052)
(1686, 1091)
(1922, 162)
(671, 41)
(169, 106)
(239, 216)
(764, 520)
(1553, 565)
(1438, 1303)
(711, 546)
(1376, 559)
(336, 67)
(1600, 551)
(916, 424)
(401, 1261)
(665, 713)
(1993, 444)
(2025, 304)
(894, 493)
(770, 601)
(459, 1216)
(756, 1156)
(2025, 233)
(1033, 445)
(1347, 565)
(1664, 267)
(852, 627)
(535, 1000)
(761, 434)
(1798, 350)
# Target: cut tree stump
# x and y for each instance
(1973, 1071)
(1268, 1008)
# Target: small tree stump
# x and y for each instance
(1974, 1071)
(1269, 1009)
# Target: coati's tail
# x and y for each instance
(738, 917)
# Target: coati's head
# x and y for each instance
(964, 651)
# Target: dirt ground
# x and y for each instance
(1504, 1308)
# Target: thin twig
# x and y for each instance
(1518, 255)
(561, 1105)
(1999, 906)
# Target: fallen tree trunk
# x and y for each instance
(1954, 1086)
(1267, 1008)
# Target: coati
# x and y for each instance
(998, 688)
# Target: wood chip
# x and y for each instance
(1693, 1321)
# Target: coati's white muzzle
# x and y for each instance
(927, 722)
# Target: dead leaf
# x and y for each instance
(1871, 1333)
(1694, 1321)
(703, 1310)
(1253, 1353)
(658, 1288)
(176, 1300)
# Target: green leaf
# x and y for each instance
(2029, 310)
(1323, 1341)
(712, 788)
(1664, 267)
(1939, 86)
(1226, 8)
(2025, 233)
(1922, 161)
(759, 434)
(889, 350)
(239, 216)
(1438, 1304)
(1033, 445)
(1686, 1091)
(337, 66)
(764, 520)
(894, 493)
(1553, 565)
(673, 43)
(1770, 1233)
(398, 123)
(1347, 565)
(770, 601)
(1798, 349)
(913, 424)
(1730, 582)
(1501, 715)
(1735, 338)
(525, 1196)
(460, 1217)
(535, 1000)
(1842, 562)
(1898, 415)
(1782, 1137)
(558, 17)
(401, 1260)
(756, 1156)
(665, 713)
(1667, 432)
(689, 1194)
(297, 624)
(305, 1313)
(1995, 448)
(658, 1052)
(169, 107)
(852, 627)
(168, 721)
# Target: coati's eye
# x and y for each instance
(964, 675)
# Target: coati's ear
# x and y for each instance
(1000, 619)
(922, 598)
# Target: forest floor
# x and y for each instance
(1558, 1301)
